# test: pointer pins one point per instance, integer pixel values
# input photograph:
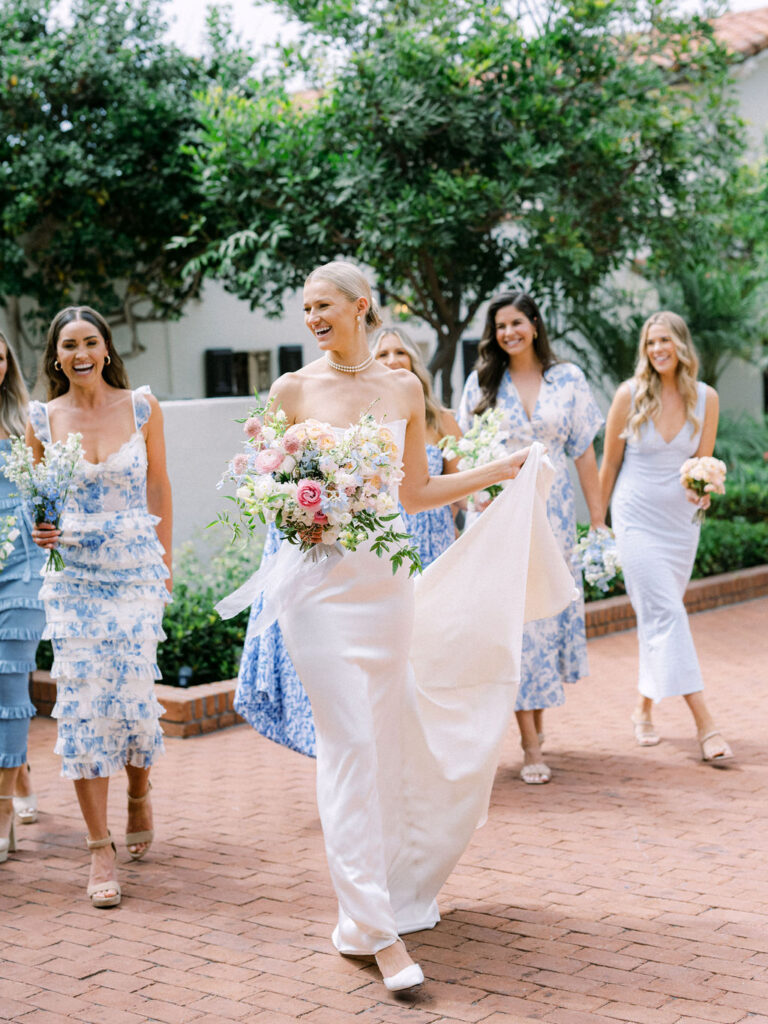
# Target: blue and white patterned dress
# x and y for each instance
(433, 529)
(565, 419)
(104, 611)
(21, 624)
(270, 696)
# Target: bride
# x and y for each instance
(404, 770)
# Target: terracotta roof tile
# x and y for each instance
(744, 31)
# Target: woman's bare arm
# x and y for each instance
(613, 452)
(159, 499)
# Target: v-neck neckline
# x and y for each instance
(528, 419)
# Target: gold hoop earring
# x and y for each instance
(57, 365)
(535, 335)
(107, 359)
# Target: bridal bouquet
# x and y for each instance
(598, 558)
(8, 534)
(482, 443)
(45, 486)
(704, 475)
(306, 479)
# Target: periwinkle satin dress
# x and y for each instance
(411, 694)
(656, 541)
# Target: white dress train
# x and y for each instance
(409, 720)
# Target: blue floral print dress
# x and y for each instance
(432, 530)
(104, 610)
(565, 419)
(270, 696)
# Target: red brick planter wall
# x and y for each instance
(204, 708)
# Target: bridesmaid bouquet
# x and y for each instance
(45, 486)
(8, 534)
(482, 443)
(704, 475)
(598, 558)
(305, 478)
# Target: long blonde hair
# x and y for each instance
(647, 401)
(14, 397)
(432, 408)
(352, 283)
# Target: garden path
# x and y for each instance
(633, 888)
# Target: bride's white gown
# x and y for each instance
(412, 685)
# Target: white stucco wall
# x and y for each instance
(200, 437)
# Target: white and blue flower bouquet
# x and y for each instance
(598, 558)
(44, 486)
(9, 531)
(484, 442)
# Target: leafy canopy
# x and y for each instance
(454, 147)
(93, 182)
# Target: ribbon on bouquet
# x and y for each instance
(283, 580)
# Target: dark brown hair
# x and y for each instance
(113, 373)
(492, 360)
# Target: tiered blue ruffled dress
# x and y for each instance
(270, 695)
(104, 611)
(21, 624)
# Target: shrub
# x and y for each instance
(197, 638)
(728, 545)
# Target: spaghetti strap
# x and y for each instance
(142, 410)
(38, 417)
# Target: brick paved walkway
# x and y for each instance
(632, 888)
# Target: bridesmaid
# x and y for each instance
(21, 618)
(433, 530)
(104, 610)
(548, 401)
(657, 420)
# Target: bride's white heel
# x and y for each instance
(408, 977)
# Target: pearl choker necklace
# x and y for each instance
(349, 369)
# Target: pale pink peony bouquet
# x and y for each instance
(319, 488)
(704, 475)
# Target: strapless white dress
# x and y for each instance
(412, 684)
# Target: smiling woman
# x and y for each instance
(657, 420)
(104, 608)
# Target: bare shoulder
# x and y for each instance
(623, 394)
(710, 394)
(448, 423)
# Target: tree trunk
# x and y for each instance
(441, 363)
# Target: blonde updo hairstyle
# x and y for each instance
(647, 403)
(14, 397)
(352, 284)
(432, 408)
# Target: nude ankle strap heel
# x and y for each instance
(8, 845)
(111, 885)
(135, 838)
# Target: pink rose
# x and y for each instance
(252, 428)
(240, 464)
(309, 493)
(268, 460)
(291, 443)
(320, 518)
